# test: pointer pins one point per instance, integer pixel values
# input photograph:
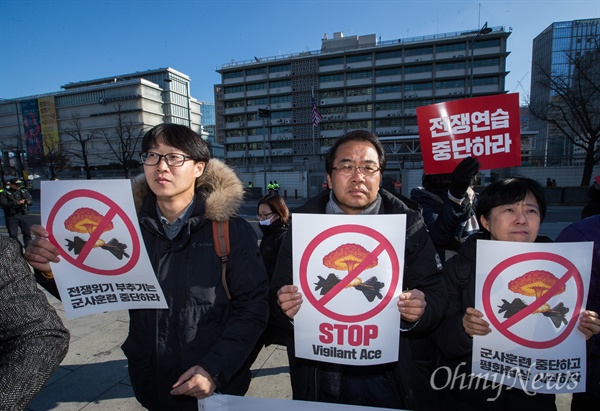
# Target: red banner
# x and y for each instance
(487, 128)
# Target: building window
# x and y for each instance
(256, 86)
(331, 62)
(384, 55)
(234, 89)
(280, 83)
(396, 71)
(263, 101)
(363, 91)
(458, 65)
(234, 104)
(233, 74)
(256, 71)
(281, 99)
(418, 86)
(396, 88)
(450, 84)
(332, 94)
(419, 51)
(358, 59)
(427, 68)
(359, 75)
(280, 68)
(444, 48)
(331, 77)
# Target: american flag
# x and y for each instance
(316, 116)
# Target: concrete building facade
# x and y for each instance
(355, 82)
(96, 113)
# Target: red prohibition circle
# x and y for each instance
(135, 247)
(572, 271)
(343, 229)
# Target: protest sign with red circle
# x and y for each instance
(383, 246)
(552, 289)
(95, 231)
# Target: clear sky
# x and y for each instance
(45, 44)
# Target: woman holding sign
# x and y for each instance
(507, 210)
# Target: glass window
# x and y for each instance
(396, 71)
(419, 51)
(280, 68)
(418, 69)
(396, 88)
(359, 75)
(255, 71)
(384, 55)
(359, 58)
(256, 86)
(234, 89)
(331, 77)
(331, 62)
(233, 74)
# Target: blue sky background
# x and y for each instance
(45, 44)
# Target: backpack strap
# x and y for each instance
(221, 239)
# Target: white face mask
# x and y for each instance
(265, 222)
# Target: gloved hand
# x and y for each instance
(462, 176)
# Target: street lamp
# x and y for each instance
(483, 30)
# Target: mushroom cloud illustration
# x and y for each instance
(345, 258)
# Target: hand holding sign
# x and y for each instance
(474, 323)
(40, 252)
(289, 299)
(411, 305)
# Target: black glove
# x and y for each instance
(462, 176)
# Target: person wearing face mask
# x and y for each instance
(273, 216)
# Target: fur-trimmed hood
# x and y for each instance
(222, 189)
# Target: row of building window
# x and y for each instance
(461, 47)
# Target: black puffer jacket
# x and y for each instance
(201, 326)
(421, 271)
(456, 345)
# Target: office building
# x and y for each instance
(92, 113)
(355, 82)
(554, 51)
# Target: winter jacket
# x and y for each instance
(201, 326)
(445, 219)
(589, 230)
(422, 270)
(9, 199)
(33, 339)
(270, 243)
(456, 346)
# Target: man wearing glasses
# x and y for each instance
(354, 166)
(201, 343)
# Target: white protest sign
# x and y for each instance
(104, 265)
(218, 402)
(349, 271)
(532, 295)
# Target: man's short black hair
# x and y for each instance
(356, 135)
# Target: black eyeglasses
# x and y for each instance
(264, 216)
(172, 159)
(349, 170)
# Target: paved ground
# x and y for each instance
(93, 376)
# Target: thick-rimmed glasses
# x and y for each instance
(172, 159)
(265, 216)
(349, 170)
